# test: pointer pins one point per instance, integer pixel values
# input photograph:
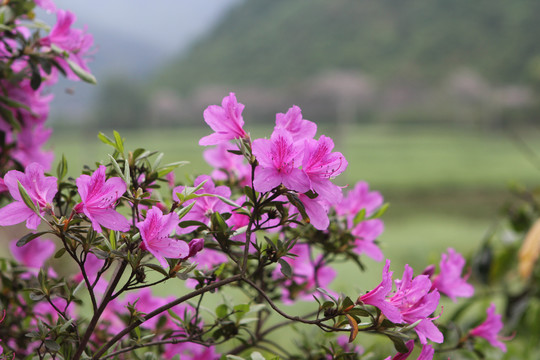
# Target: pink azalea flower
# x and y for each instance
(416, 301)
(47, 5)
(170, 179)
(279, 160)
(412, 301)
(40, 188)
(3, 186)
(365, 233)
(490, 329)
(377, 296)
(29, 147)
(292, 122)
(98, 198)
(34, 254)
(320, 164)
(427, 352)
(227, 165)
(308, 275)
(357, 199)
(155, 231)
(449, 280)
(317, 210)
(226, 120)
(75, 41)
(191, 351)
(206, 205)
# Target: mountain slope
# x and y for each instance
(279, 42)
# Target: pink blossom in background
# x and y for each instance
(226, 121)
(366, 232)
(92, 265)
(28, 147)
(293, 122)
(206, 259)
(47, 5)
(206, 205)
(343, 342)
(321, 165)
(449, 280)
(34, 254)
(40, 188)
(226, 164)
(490, 329)
(308, 274)
(110, 321)
(3, 186)
(279, 160)
(357, 199)
(170, 179)
(146, 302)
(155, 231)
(75, 41)
(98, 199)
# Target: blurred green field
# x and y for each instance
(444, 186)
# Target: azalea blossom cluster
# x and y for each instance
(32, 58)
(269, 221)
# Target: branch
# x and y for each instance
(161, 309)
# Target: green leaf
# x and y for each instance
(26, 198)
(399, 343)
(183, 211)
(59, 253)
(62, 168)
(257, 356)
(81, 73)
(7, 115)
(29, 237)
(119, 142)
(106, 140)
(360, 216)
(52, 345)
(240, 310)
(285, 268)
(222, 311)
(188, 223)
(12, 103)
(381, 211)
(157, 268)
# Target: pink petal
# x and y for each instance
(111, 219)
(16, 213)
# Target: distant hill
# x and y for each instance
(277, 43)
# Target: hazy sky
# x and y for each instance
(167, 24)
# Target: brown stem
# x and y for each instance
(106, 299)
(161, 309)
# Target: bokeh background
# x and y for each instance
(435, 103)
